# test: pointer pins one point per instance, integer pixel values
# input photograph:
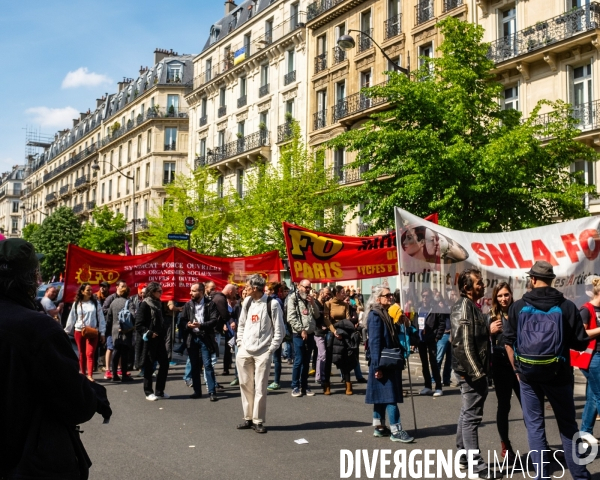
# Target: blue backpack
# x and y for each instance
(540, 347)
(126, 319)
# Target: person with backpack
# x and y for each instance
(384, 386)
(470, 361)
(106, 308)
(259, 334)
(119, 324)
(542, 364)
(87, 319)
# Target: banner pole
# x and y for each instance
(399, 255)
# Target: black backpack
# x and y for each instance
(269, 307)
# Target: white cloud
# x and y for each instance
(53, 117)
(82, 78)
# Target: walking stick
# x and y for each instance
(412, 400)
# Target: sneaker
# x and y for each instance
(426, 391)
(311, 373)
(155, 374)
(273, 386)
(140, 373)
(163, 395)
(309, 393)
(152, 397)
(589, 438)
(296, 392)
(438, 393)
(108, 375)
(172, 363)
(401, 436)
(382, 432)
(189, 383)
(235, 382)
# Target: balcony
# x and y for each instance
(363, 40)
(242, 101)
(285, 132)
(289, 78)
(355, 104)
(171, 146)
(587, 116)
(65, 191)
(264, 90)
(222, 111)
(78, 209)
(151, 114)
(320, 119)
(452, 4)
(51, 198)
(543, 34)
(203, 121)
(321, 6)
(199, 161)
(362, 228)
(241, 146)
(89, 206)
(12, 192)
(74, 160)
(393, 26)
(423, 12)
(82, 182)
(346, 176)
(320, 62)
(339, 55)
(256, 48)
(140, 225)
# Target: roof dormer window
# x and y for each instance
(215, 30)
(174, 73)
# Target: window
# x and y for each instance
(15, 207)
(396, 61)
(202, 148)
(247, 41)
(147, 175)
(321, 44)
(263, 118)
(129, 146)
(139, 146)
(126, 212)
(341, 107)
(137, 178)
(172, 105)
(240, 183)
(289, 108)
(508, 29)
(221, 138)
(170, 138)
(220, 186)
(168, 172)
(127, 183)
(511, 98)
(120, 154)
(203, 107)
(174, 73)
(102, 193)
(425, 51)
(118, 187)
(145, 207)
(208, 71)
(294, 15)
(338, 163)
(148, 141)
(269, 31)
(290, 61)
(222, 97)
(243, 86)
(111, 162)
(340, 91)
(581, 94)
(264, 75)
(240, 129)
(15, 225)
(109, 190)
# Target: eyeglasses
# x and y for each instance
(306, 288)
(387, 295)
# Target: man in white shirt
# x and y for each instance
(260, 333)
(47, 302)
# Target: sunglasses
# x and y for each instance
(387, 295)
(306, 288)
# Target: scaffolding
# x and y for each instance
(34, 141)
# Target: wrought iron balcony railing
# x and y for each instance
(51, 197)
(65, 190)
(320, 6)
(543, 34)
(82, 181)
(264, 90)
(74, 160)
(587, 116)
(320, 119)
(90, 205)
(199, 161)
(289, 78)
(222, 111)
(354, 104)
(237, 147)
(393, 26)
(170, 146)
(242, 101)
(345, 176)
(78, 208)
(363, 40)
(320, 62)
(339, 55)
(285, 132)
(423, 11)
(452, 4)
(203, 120)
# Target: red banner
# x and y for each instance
(175, 269)
(323, 257)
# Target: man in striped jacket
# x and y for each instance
(470, 361)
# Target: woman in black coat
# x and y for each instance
(345, 350)
(154, 330)
(384, 387)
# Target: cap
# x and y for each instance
(17, 254)
(542, 269)
(395, 312)
(104, 284)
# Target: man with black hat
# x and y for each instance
(42, 394)
(541, 328)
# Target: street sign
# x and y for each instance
(178, 236)
(189, 223)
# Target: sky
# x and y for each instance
(60, 55)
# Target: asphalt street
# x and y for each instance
(181, 438)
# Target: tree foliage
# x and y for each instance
(192, 196)
(297, 190)
(447, 146)
(53, 237)
(30, 231)
(106, 233)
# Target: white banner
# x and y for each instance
(432, 256)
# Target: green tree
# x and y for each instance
(446, 145)
(30, 231)
(53, 237)
(296, 190)
(106, 234)
(193, 196)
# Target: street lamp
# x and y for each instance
(96, 167)
(346, 42)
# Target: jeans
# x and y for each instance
(444, 348)
(505, 382)
(428, 354)
(302, 352)
(277, 364)
(588, 418)
(287, 351)
(561, 400)
(379, 411)
(120, 353)
(156, 352)
(473, 395)
(214, 358)
(200, 355)
(321, 343)
(187, 375)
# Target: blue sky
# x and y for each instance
(60, 55)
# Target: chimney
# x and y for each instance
(75, 122)
(229, 6)
(82, 116)
(121, 85)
